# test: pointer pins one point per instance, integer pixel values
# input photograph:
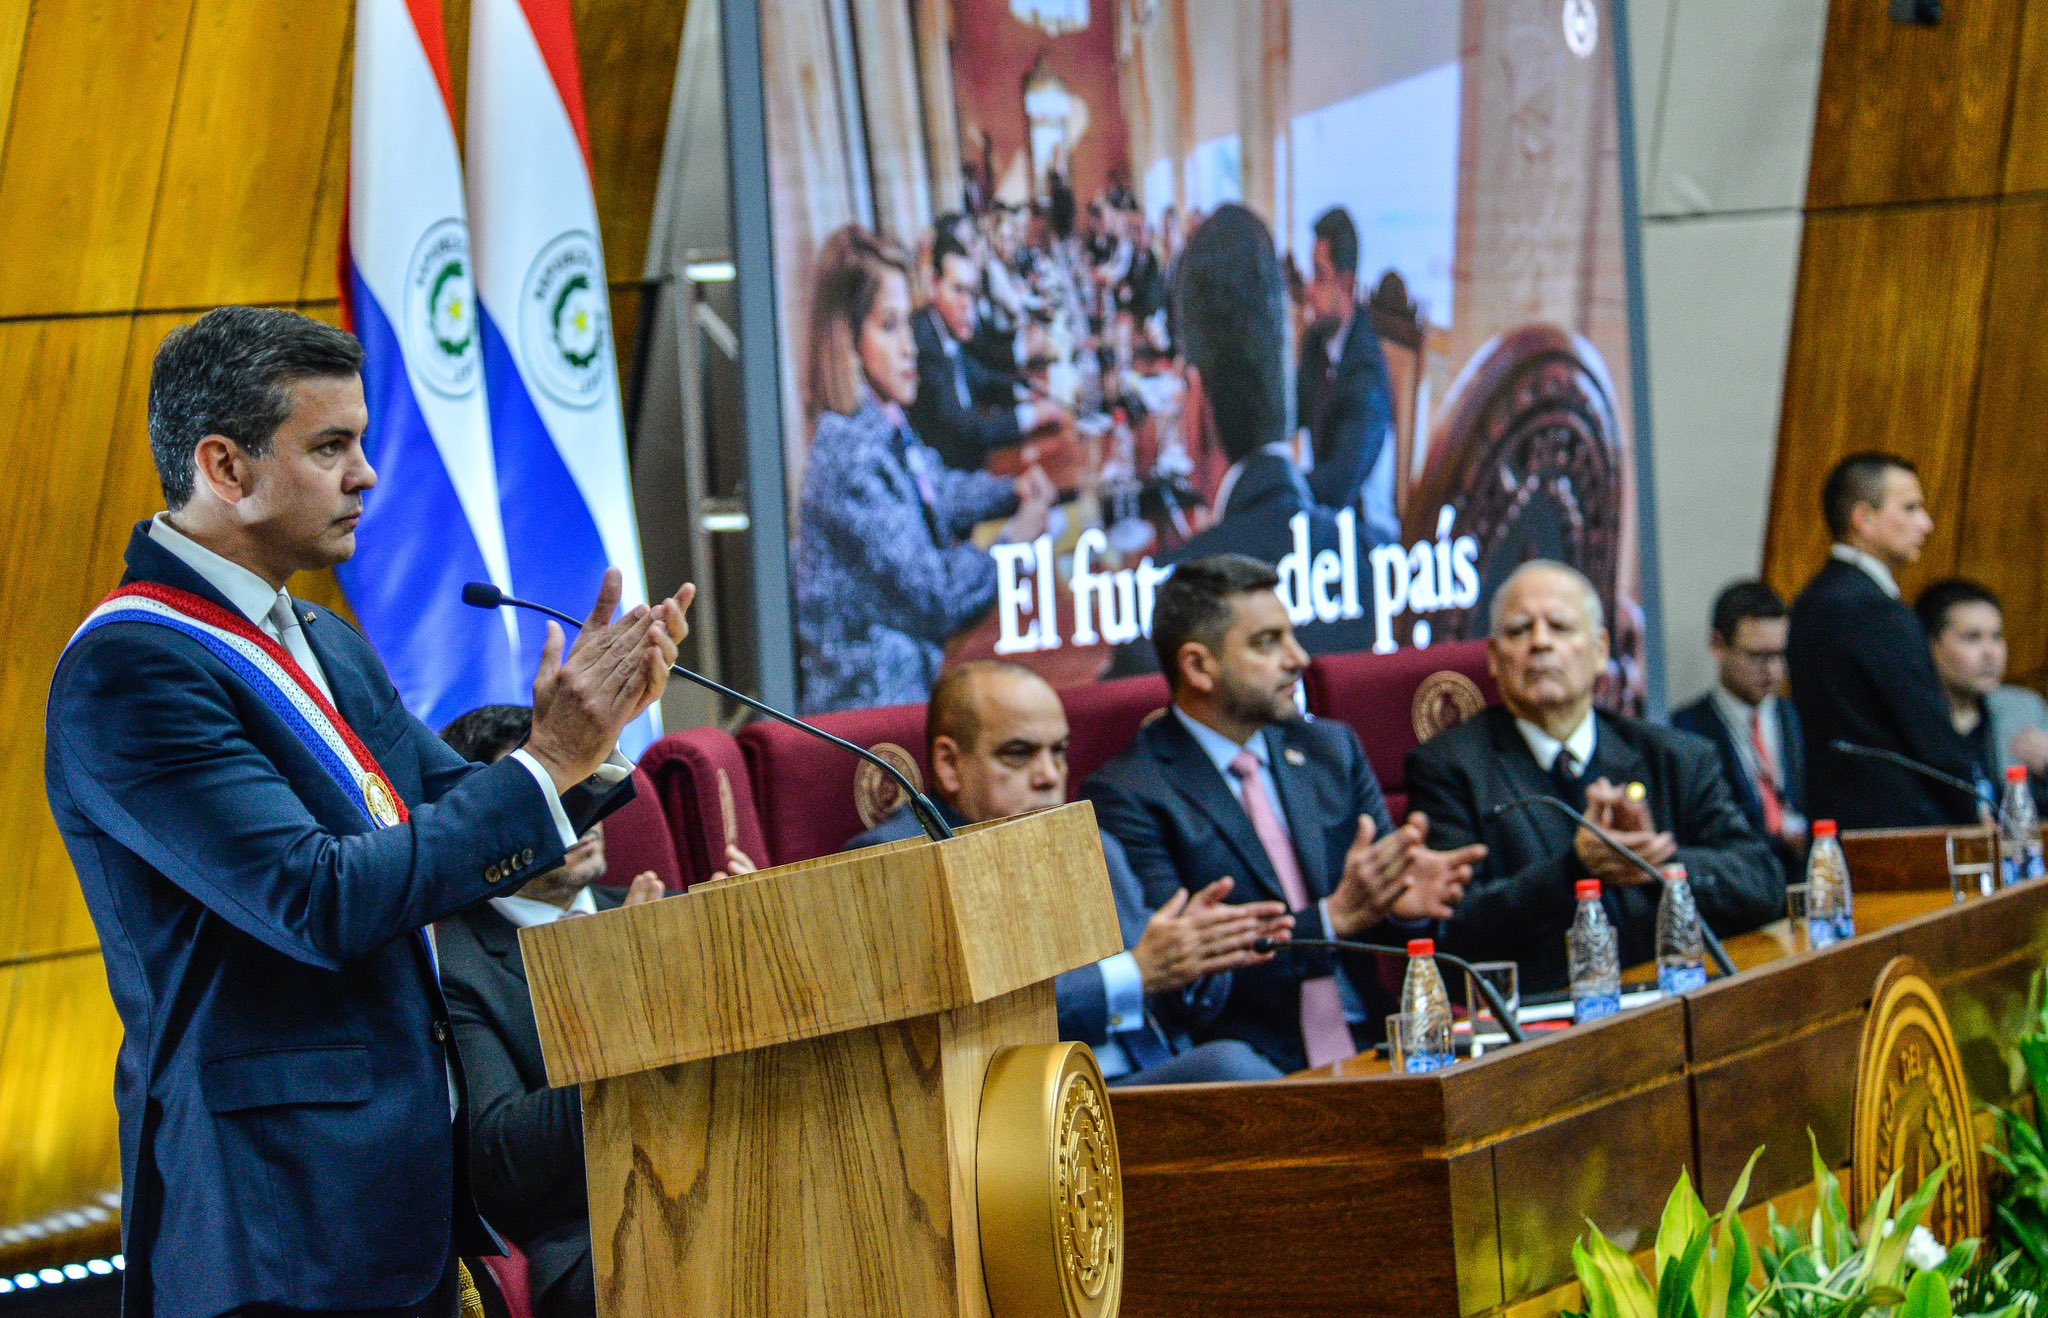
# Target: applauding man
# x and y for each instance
(263, 834)
(1235, 781)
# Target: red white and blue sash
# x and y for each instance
(274, 676)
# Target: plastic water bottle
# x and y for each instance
(1595, 958)
(1681, 951)
(1830, 905)
(2019, 829)
(1424, 1000)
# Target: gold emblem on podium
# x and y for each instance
(382, 806)
(1048, 1185)
(1913, 1105)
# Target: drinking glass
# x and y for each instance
(1401, 1040)
(1505, 977)
(1972, 863)
(1795, 912)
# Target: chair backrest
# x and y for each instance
(509, 1273)
(1395, 702)
(813, 799)
(1103, 718)
(700, 780)
(637, 838)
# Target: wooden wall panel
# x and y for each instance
(241, 188)
(321, 279)
(1912, 113)
(98, 84)
(1885, 341)
(2026, 152)
(13, 31)
(2004, 515)
(629, 69)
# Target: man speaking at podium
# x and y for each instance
(263, 833)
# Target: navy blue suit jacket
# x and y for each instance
(963, 435)
(1703, 719)
(1347, 407)
(1083, 1003)
(1182, 828)
(285, 1135)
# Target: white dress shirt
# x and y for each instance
(1871, 564)
(1736, 713)
(1581, 743)
(527, 913)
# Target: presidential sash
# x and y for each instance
(275, 677)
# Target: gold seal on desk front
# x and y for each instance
(1048, 1186)
(1913, 1105)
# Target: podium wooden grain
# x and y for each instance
(781, 1073)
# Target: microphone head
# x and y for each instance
(1264, 945)
(482, 595)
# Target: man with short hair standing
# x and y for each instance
(1235, 781)
(1660, 792)
(1861, 672)
(263, 834)
(964, 410)
(1757, 734)
(1343, 395)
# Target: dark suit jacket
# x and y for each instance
(525, 1139)
(1347, 408)
(1083, 1002)
(963, 435)
(1257, 519)
(1182, 828)
(1861, 672)
(1703, 718)
(285, 1135)
(1521, 900)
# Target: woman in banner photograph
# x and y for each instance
(884, 571)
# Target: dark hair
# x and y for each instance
(489, 733)
(1194, 604)
(1937, 600)
(944, 244)
(1230, 318)
(1334, 227)
(1858, 478)
(1743, 600)
(952, 711)
(230, 373)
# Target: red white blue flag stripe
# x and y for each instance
(548, 357)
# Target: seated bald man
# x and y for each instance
(1545, 738)
(997, 738)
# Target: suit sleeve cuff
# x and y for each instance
(1023, 414)
(547, 791)
(1123, 991)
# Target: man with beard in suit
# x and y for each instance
(1343, 396)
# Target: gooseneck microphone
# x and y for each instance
(483, 595)
(1909, 764)
(1715, 952)
(1508, 1023)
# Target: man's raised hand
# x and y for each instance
(1192, 937)
(615, 670)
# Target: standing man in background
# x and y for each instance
(263, 834)
(1763, 752)
(1343, 397)
(1861, 672)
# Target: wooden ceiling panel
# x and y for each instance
(2004, 517)
(1886, 335)
(97, 86)
(1911, 113)
(241, 184)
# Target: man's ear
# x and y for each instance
(222, 467)
(1197, 666)
(946, 766)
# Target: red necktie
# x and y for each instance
(1766, 775)
(1325, 1035)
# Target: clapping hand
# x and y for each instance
(1192, 937)
(1630, 824)
(611, 675)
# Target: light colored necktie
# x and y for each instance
(1324, 1033)
(284, 624)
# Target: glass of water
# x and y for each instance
(1972, 863)
(1505, 977)
(1796, 914)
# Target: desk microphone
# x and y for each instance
(1910, 765)
(1508, 1024)
(483, 595)
(1712, 941)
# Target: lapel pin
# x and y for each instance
(1294, 757)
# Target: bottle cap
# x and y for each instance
(1422, 947)
(1675, 872)
(1823, 828)
(1588, 889)
(2015, 773)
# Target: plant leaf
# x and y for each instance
(1927, 1297)
(1613, 1284)
(1684, 1220)
(1674, 1284)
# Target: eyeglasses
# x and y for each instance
(1757, 658)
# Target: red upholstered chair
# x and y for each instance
(637, 837)
(699, 778)
(514, 1286)
(1104, 718)
(1395, 702)
(813, 799)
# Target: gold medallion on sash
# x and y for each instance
(377, 797)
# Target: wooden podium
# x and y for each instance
(783, 1082)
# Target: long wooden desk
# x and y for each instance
(1360, 1192)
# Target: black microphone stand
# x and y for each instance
(482, 595)
(1910, 765)
(1508, 1024)
(1712, 941)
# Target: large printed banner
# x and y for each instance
(1072, 291)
